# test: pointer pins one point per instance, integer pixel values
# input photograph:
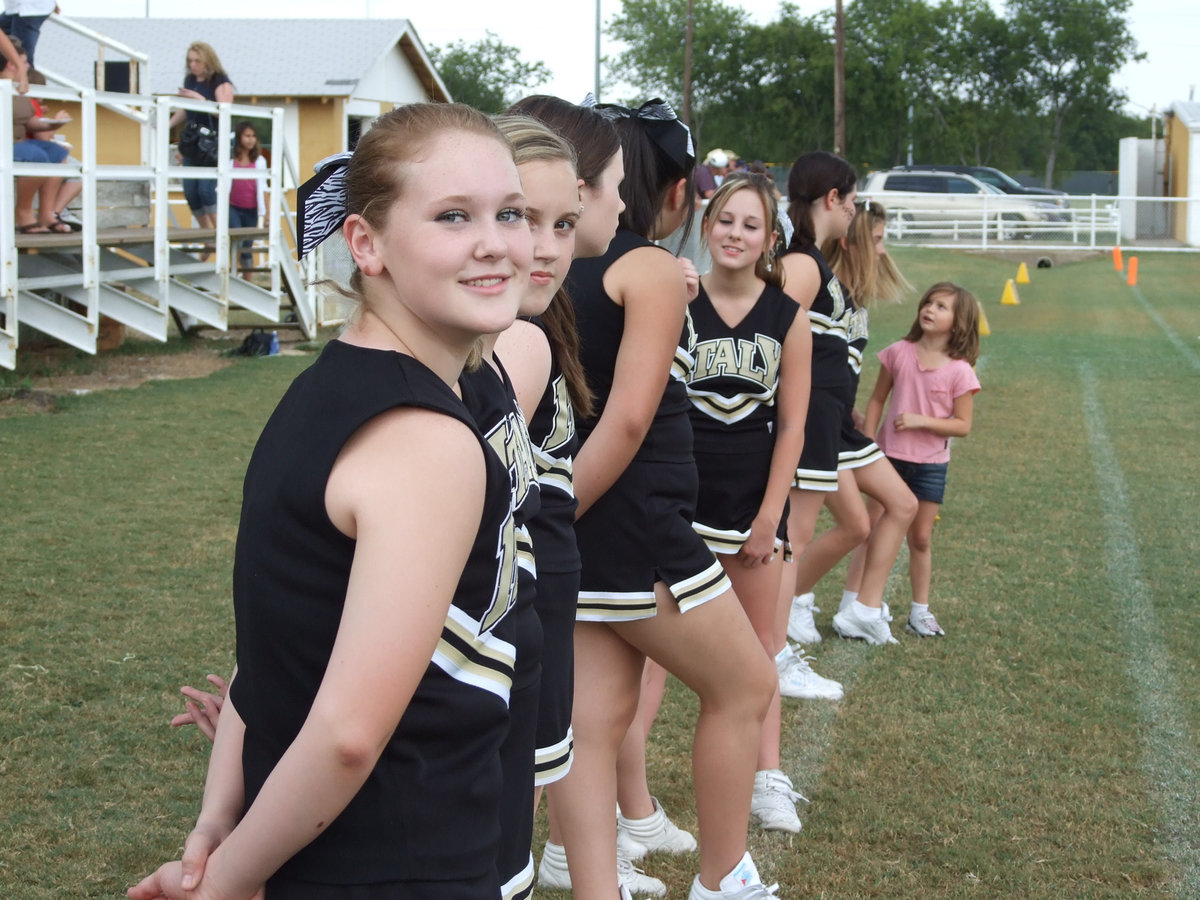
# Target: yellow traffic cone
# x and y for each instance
(1009, 297)
(984, 328)
(1022, 274)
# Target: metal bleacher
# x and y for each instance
(144, 273)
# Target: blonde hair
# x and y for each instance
(378, 171)
(867, 275)
(964, 331)
(764, 267)
(208, 56)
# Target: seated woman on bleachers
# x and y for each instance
(45, 189)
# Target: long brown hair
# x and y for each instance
(814, 175)
(764, 267)
(964, 332)
(867, 275)
(533, 141)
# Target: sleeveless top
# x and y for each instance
(858, 327)
(430, 807)
(736, 373)
(601, 323)
(555, 442)
(827, 319)
(492, 403)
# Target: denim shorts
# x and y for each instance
(39, 151)
(927, 481)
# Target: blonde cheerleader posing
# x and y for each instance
(932, 384)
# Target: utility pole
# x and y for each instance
(839, 82)
(687, 62)
(597, 91)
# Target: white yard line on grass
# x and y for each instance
(1176, 341)
(1169, 748)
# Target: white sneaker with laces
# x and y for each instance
(774, 802)
(870, 627)
(656, 833)
(924, 625)
(797, 678)
(742, 883)
(801, 627)
(638, 882)
(554, 873)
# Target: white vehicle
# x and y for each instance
(952, 202)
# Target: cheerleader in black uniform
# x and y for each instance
(649, 585)
(546, 164)
(867, 274)
(357, 753)
(749, 391)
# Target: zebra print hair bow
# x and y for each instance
(662, 126)
(322, 201)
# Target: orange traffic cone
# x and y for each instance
(1132, 279)
(1117, 264)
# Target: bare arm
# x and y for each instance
(525, 352)
(802, 278)
(957, 425)
(650, 285)
(224, 93)
(795, 382)
(383, 640)
(883, 387)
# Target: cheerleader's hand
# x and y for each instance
(760, 546)
(690, 277)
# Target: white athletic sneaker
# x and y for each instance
(656, 833)
(623, 893)
(874, 629)
(554, 873)
(924, 625)
(638, 882)
(801, 627)
(797, 678)
(742, 883)
(774, 802)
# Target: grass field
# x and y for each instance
(1046, 748)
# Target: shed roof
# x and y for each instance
(1188, 113)
(263, 57)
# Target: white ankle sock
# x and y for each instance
(919, 609)
(865, 611)
(848, 597)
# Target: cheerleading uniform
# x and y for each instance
(817, 470)
(857, 450)
(732, 389)
(426, 822)
(554, 439)
(640, 531)
(489, 397)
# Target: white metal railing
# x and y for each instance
(1083, 222)
(160, 170)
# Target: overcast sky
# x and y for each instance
(562, 34)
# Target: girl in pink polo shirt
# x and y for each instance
(930, 377)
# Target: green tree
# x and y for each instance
(489, 75)
(652, 61)
(1070, 51)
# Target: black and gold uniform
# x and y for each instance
(489, 397)
(640, 531)
(554, 439)
(856, 450)
(426, 823)
(732, 388)
(817, 470)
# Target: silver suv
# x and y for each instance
(952, 202)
